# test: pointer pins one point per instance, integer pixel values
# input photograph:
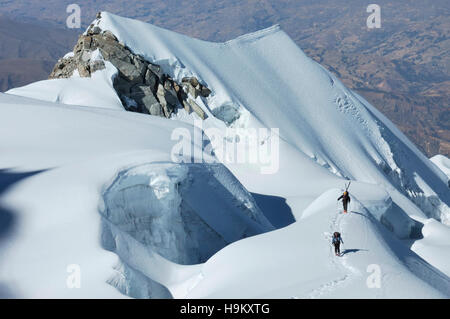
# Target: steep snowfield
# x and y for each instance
(443, 163)
(267, 75)
(112, 200)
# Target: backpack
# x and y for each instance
(337, 234)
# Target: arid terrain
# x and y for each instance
(28, 51)
(403, 68)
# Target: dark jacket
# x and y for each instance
(345, 198)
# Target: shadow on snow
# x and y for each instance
(275, 209)
(8, 220)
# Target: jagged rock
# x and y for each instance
(64, 68)
(141, 89)
(182, 96)
(194, 88)
(140, 64)
(110, 49)
(167, 98)
(190, 89)
(197, 109)
(85, 56)
(109, 35)
(204, 91)
(122, 86)
(176, 87)
(151, 79)
(152, 105)
(141, 85)
(94, 30)
(143, 95)
(168, 85)
(161, 95)
(86, 43)
(194, 81)
(187, 107)
(83, 63)
(170, 94)
(96, 65)
(84, 70)
(127, 70)
(98, 15)
(156, 69)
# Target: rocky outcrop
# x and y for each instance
(141, 85)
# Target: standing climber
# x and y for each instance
(336, 241)
(345, 200)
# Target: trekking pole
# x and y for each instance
(337, 206)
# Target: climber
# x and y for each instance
(336, 241)
(345, 200)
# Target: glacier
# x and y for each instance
(108, 195)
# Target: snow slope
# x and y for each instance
(59, 219)
(116, 168)
(443, 163)
(282, 266)
(96, 91)
(270, 82)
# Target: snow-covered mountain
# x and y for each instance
(161, 205)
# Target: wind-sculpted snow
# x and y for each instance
(381, 207)
(291, 271)
(169, 229)
(155, 218)
(183, 212)
(266, 77)
(96, 91)
(264, 80)
(443, 163)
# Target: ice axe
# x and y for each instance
(347, 185)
